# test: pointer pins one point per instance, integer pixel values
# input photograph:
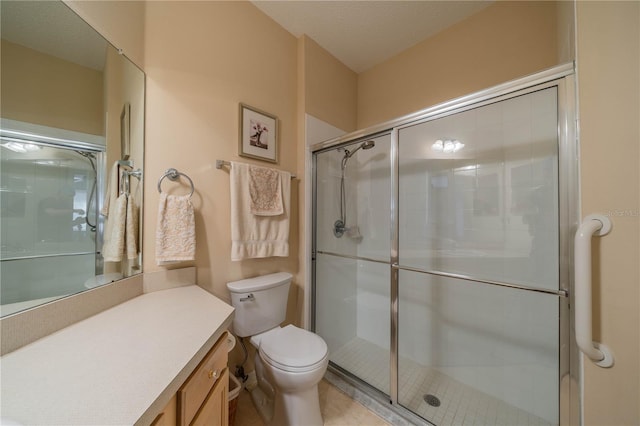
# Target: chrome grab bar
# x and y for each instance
(597, 225)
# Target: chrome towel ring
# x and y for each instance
(173, 176)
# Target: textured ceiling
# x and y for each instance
(362, 34)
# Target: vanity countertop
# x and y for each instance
(119, 367)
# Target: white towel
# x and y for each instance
(265, 191)
(113, 246)
(112, 190)
(176, 229)
(131, 228)
(257, 236)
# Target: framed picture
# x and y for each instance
(258, 134)
(125, 131)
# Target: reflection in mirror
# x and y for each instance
(71, 154)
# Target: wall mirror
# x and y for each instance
(70, 105)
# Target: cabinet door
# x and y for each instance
(199, 385)
(215, 409)
(168, 415)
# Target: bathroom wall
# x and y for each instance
(120, 22)
(202, 59)
(330, 88)
(70, 97)
(502, 42)
(609, 92)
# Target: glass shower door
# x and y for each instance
(48, 220)
(352, 272)
(478, 264)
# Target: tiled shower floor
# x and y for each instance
(460, 404)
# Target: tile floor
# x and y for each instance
(337, 409)
(460, 404)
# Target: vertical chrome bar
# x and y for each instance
(568, 195)
(314, 239)
(395, 229)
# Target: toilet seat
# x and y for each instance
(294, 349)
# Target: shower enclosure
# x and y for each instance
(49, 224)
(447, 292)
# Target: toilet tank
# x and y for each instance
(260, 303)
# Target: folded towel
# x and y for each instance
(265, 190)
(255, 236)
(114, 232)
(176, 229)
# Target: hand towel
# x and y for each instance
(112, 190)
(176, 229)
(255, 236)
(131, 228)
(113, 246)
(265, 191)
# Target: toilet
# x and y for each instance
(290, 361)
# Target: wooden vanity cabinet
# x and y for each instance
(203, 398)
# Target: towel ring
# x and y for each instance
(173, 176)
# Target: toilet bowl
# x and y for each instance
(289, 361)
(292, 362)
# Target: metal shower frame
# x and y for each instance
(562, 77)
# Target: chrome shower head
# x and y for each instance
(364, 145)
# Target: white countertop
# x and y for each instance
(118, 367)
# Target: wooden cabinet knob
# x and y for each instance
(214, 374)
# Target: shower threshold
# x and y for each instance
(460, 404)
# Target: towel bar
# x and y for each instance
(220, 163)
(173, 175)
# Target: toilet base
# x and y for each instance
(289, 409)
(264, 405)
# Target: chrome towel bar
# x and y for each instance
(220, 163)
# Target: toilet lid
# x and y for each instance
(293, 349)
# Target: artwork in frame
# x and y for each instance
(258, 134)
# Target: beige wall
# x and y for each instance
(42, 89)
(120, 22)
(202, 59)
(330, 89)
(504, 41)
(609, 91)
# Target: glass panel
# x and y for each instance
(486, 206)
(48, 199)
(352, 316)
(485, 354)
(367, 193)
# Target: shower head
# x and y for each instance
(364, 145)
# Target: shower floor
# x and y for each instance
(460, 404)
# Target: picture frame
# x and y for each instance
(258, 134)
(125, 131)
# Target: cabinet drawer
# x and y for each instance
(194, 391)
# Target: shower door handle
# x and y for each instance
(592, 225)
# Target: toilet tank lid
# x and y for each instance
(262, 282)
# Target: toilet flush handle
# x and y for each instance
(249, 298)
